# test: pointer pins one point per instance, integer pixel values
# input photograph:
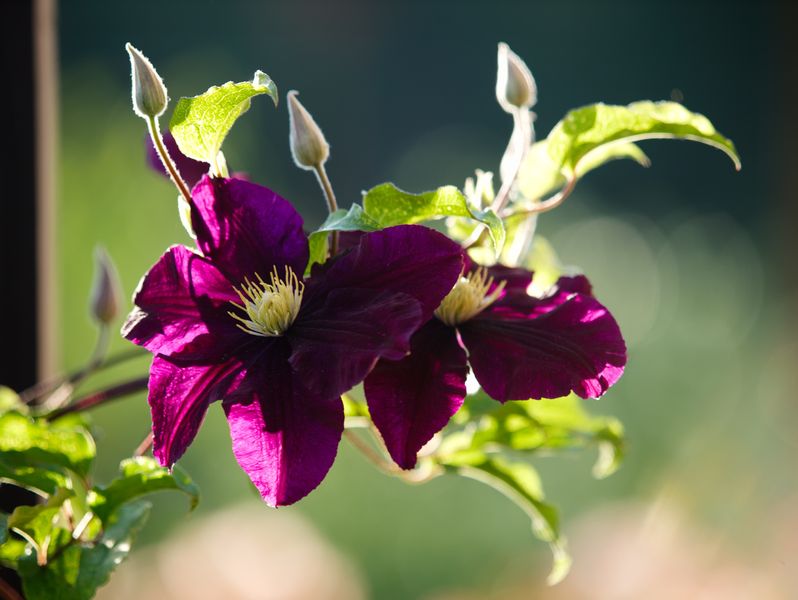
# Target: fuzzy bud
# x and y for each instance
(105, 300)
(308, 146)
(515, 86)
(149, 92)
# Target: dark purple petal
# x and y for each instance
(335, 344)
(575, 284)
(410, 259)
(245, 228)
(181, 308)
(412, 399)
(521, 350)
(179, 396)
(284, 437)
(190, 170)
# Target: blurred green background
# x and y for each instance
(692, 258)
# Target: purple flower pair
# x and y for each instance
(239, 323)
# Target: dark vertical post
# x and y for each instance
(28, 105)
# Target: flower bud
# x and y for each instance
(308, 146)
(149, 92)
(515, 86)
(106, 292)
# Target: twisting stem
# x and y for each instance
(168, 163)
(520, 140)
(101, 397)
(547, 204)
(44, 387)
(332, 204)
(372, 455)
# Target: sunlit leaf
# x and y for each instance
(35, 523)
(589, 128)
(9, 400)
(389, 205)
(80, 568)
(139, 476)
(520, 483)
(540, 175)
(64, 442)
(42, 478)
(200, 123)
(353, 219)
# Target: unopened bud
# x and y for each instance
(149, 92)
(515, 86)
(105, 299)
(308, 146)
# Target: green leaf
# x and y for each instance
(36, 523)
(200, 123)
(589, 128)
(81, 568)
(11, 551)
(139, 476)
(9, 400)
(64, 442)
(390, 206)
(40, 478)
(520, 483)
(353, 219)
(540, 175)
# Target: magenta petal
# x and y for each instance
(335, 344)
(190, 170)
(577, 346)
(181, 308)
(284, 437)
(412, 399)
(179, 396)
(410, 259)
(245, 228)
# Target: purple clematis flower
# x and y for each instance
(518, 346)
(239, 323)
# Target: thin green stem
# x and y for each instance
(168, 163)
(332, 204)
(102, 397)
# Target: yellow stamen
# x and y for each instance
(468, 297)
(271, 307)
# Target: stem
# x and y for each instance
(522, 135)
(332, 204)
(7, 592)
(416, 476)
(168, 163)
(44, 387)
(101, 397)
(145, 445)
(549, 203)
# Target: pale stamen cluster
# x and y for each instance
(271, 307)
(468, 297)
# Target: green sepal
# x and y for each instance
(589, 128)
(199, 124)
(139, 476)
(390, 206)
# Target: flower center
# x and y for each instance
(468, 297)
(270, 307)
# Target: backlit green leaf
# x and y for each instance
(139, 476)
(42, 478)
(9, 400)
(200, 123)
(520, 483)
(589, 128)
(64, 442)
(389, 205)
(36, 523)
(353, 219)
(82, 567)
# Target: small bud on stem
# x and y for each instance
(515, 86)
(308, 146)
(105, 299)
(148, 92)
